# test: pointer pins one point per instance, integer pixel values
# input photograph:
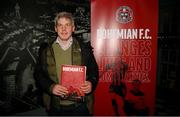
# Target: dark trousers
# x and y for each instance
(73, 110)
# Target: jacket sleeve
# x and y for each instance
(90, 62)
(41, 76)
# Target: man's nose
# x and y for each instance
(63, 27)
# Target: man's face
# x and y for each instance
(136, 85)
(64, 28)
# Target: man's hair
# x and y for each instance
(136, 81)
(65, 15)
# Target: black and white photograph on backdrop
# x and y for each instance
(24, 25)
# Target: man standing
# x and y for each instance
(65, 50)
(17, 11)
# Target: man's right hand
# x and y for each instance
(59, 90)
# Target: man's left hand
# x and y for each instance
(86, 87)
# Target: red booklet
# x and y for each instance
(72, 77)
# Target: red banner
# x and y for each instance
(124, 37)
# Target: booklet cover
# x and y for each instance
(72, 77)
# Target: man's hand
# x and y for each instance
(59, 90)
(86, 87)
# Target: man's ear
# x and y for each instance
(73, 28)
(55, 28)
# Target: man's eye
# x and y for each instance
(68, 24)
(59, 25)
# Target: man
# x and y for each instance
(65, 50)
(135, 100)
(118, 87)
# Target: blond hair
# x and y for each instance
(65, 15)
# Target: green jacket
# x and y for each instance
(45, 71)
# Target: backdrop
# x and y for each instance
(124, 37)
